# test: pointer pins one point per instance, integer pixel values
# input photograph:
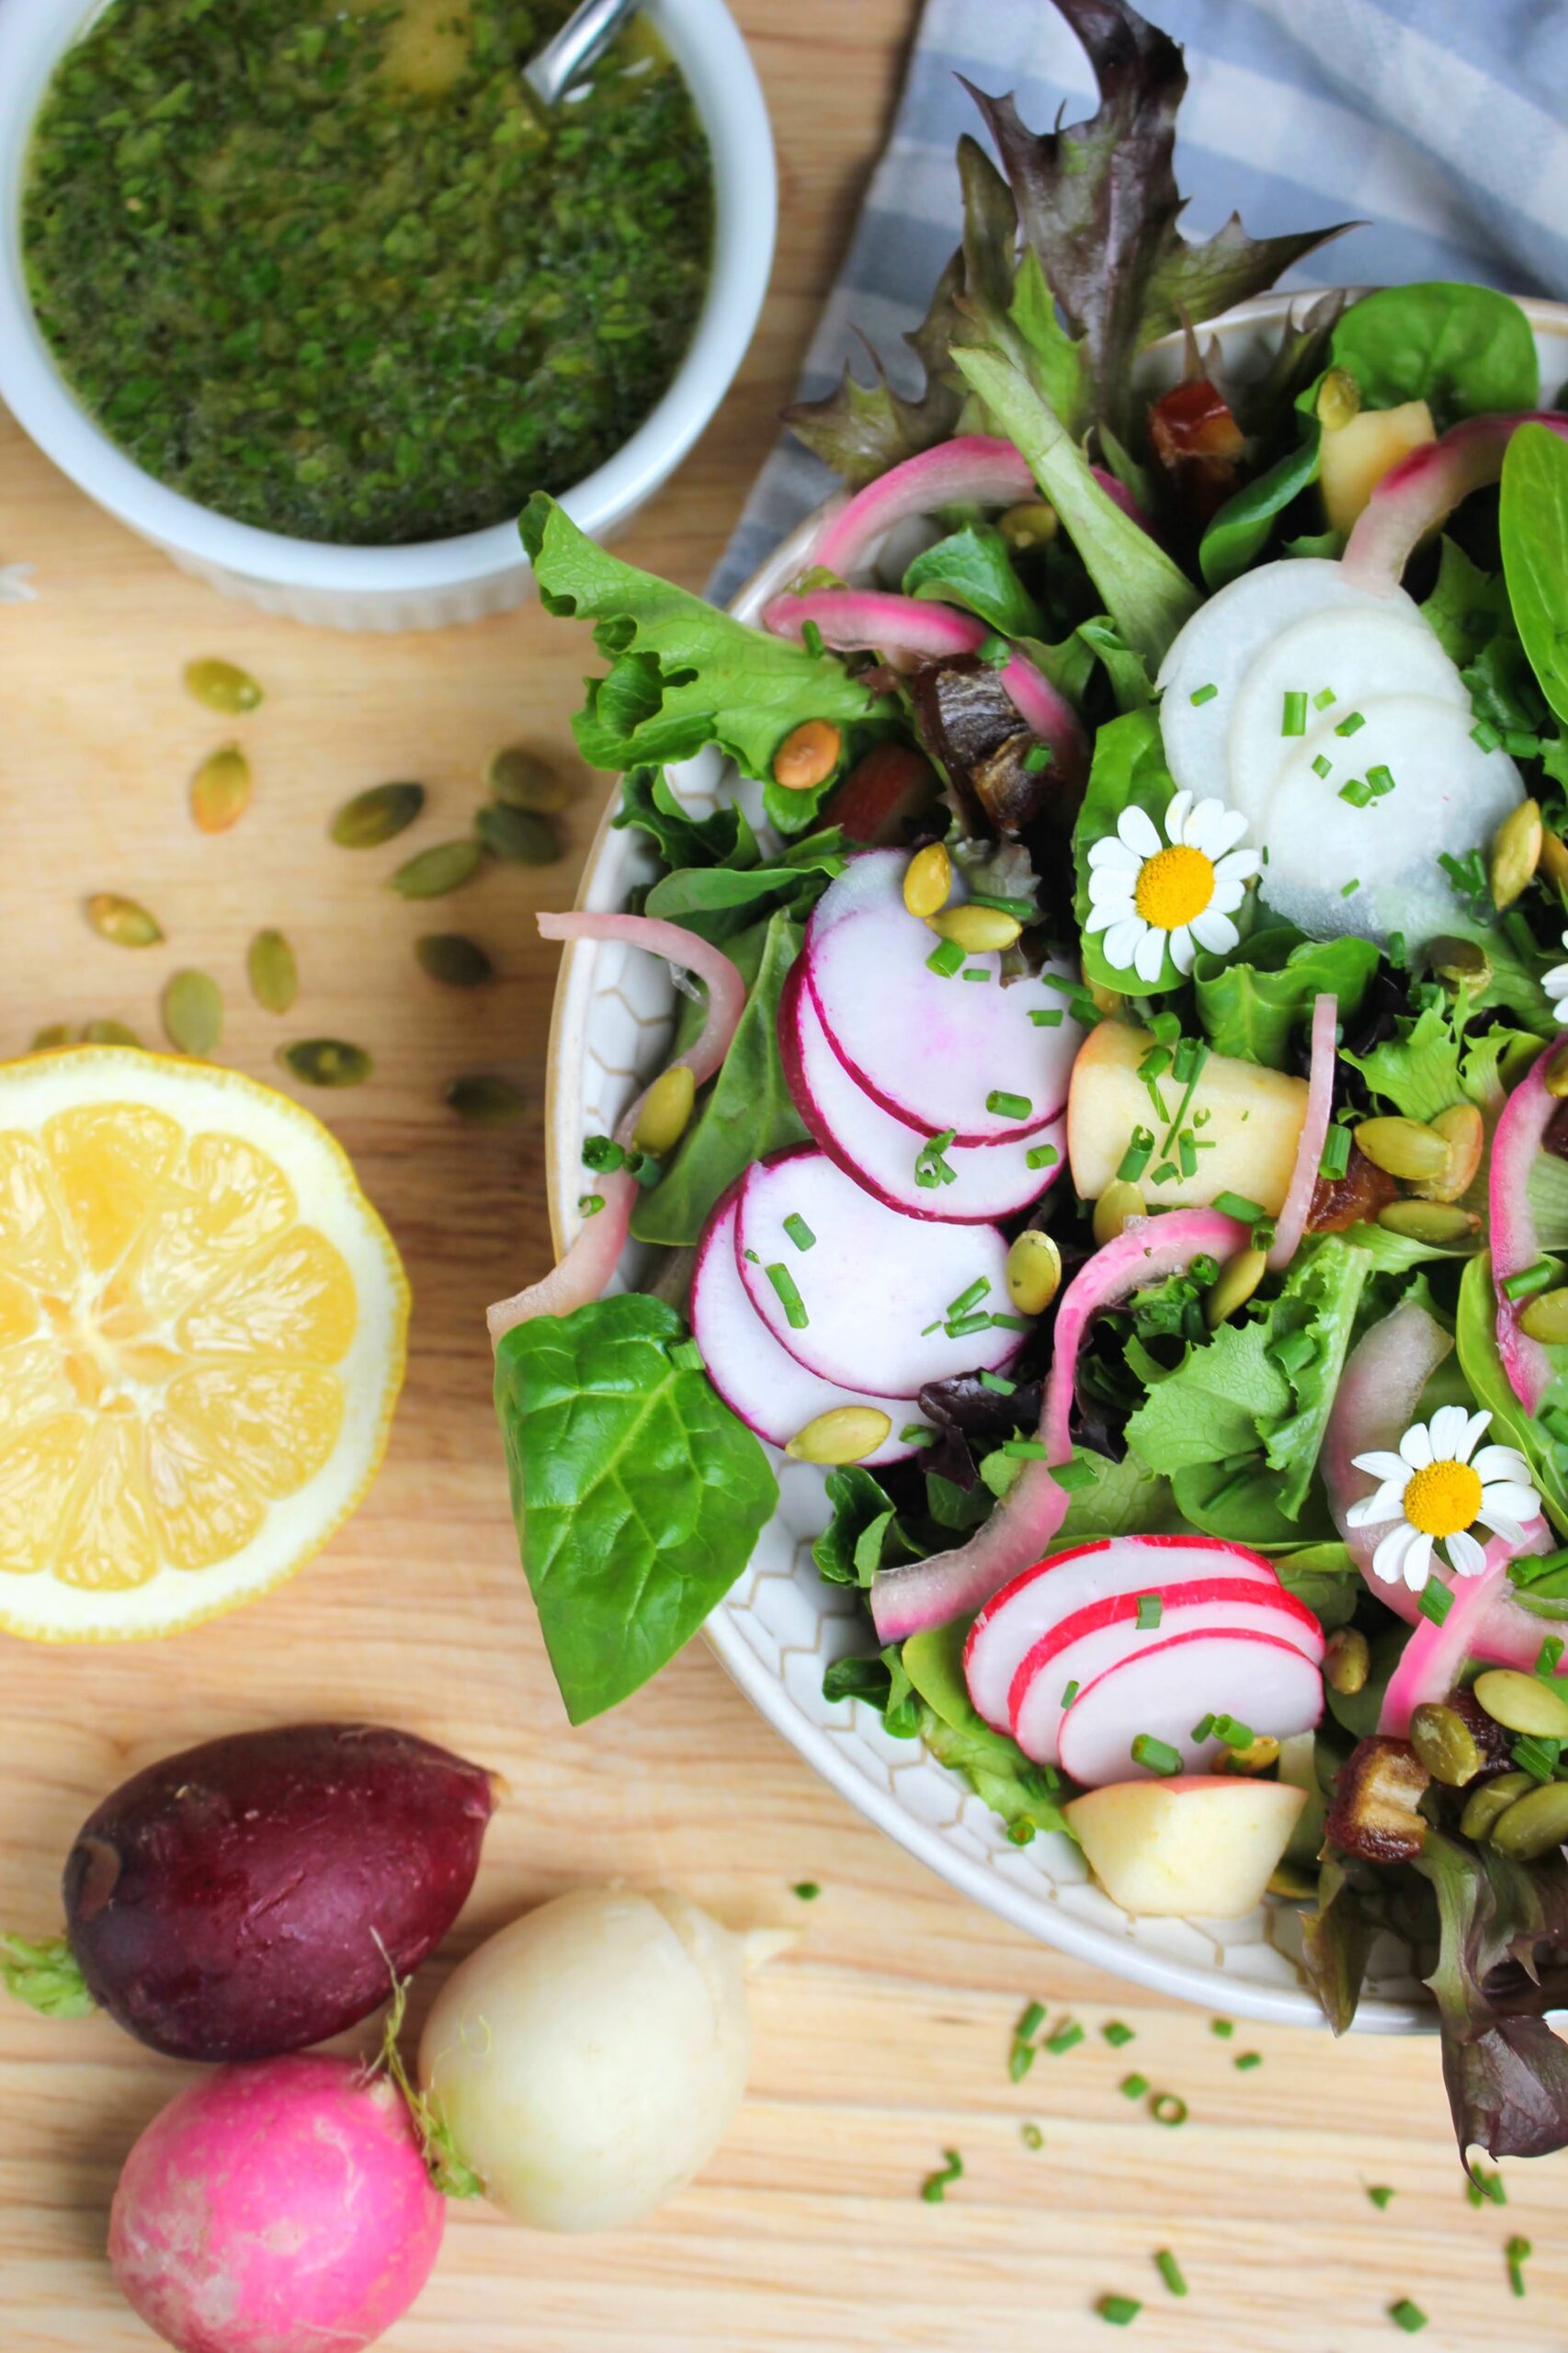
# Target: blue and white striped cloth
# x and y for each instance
(1443, 124)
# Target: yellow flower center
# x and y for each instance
(1174, 885)
(1443, 1498)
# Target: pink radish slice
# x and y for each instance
(1166, 1691)
(1047, 712)
(757, 1379)
(991, 1180)
(1291, 1222)
(1415, 496)
(1043, 1597)
(595, 1252)
(1430, 1661)
(930, 1593)
(873, 1282)
(976, 470)
(856, 621)
(931, 1050)
(1518, 1137)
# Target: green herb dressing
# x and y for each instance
(329, 273)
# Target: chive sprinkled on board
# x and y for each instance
(1246, 2061)
(1408, 2316)
(1120, 2311)
(1117, 2033)
(934, 2189)
(1170, 2271)
(1516, 2254)
(1031, 2136)
(1134, 2086)
(1381, 2194)
(1223, 2028)
(1168, 2107)
(1068, 2036)
(808, 1889)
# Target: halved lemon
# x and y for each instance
(203, 1334)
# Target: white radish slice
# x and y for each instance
(873, 1281)
(757, 1379)
(1449, 797)
(1353, 654)
(1010, 1626)
(989, 1180)
(930, 1050)
(1168, 1690)
(1072, 1656)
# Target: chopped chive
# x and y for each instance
(1071, 1692)
(959, 1327)
(1038, 757)
(1154, 1065)
(1120, 2311)
(926, 1329)
(1336, 1158)
(1381, 780)
(1408, 2316)
(1322, 765)
(800, 1232)
(1548, 1654)
(1072, 1477)
(1170, 2270)
(967, 1299)
(1187, 1153)
(1165, 1173)
(1351, 724)
(1155, 1756)
(998, 1383)
(1168, 2107)
(934, 2189)
(1116, 2034)
(1068, 2036)
(602, 1153)
(1323, 698)
(1020, 2059)
(807, 1890)
(789, 1299)
(977, 972)
(1007, 1107)
(1529, 1279)
(1031, 2136)
(1246, 2061)
(1486, 734)
(1520, 743)
(1482, 2186)
(916, 1434)
(751, 1258)
(590, 1204)
(1203, 1729)
(1024, 909)
(993, 650)
(1001, 1322)
(1046, 1016)
(1536, 1758)
(1134, 2086)
(1025, 1450)
(810, 638)
(945, 958)
(1380, 2195)
(686, 1355)
(1136, 1158)
(1041, 1156)
(1296, 1350)
(1435, 1600)
(1237, 1205)
(1223, 2028)
(1516, 2255)
(931, 1167)
(1357, 792)
(1350, 890)
(1151, 1609)
(1234, 1735)
(1030, 2024)
(1200, 694)
(1294, 717)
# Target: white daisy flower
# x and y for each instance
(1149, 895)
(1436, 1493)
(1555, 983)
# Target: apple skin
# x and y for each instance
(1199, 1846)
(1254, 1123)
(1354, 459)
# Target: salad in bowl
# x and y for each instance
(1113, 1143)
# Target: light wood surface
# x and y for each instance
(884, 2041)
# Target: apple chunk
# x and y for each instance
(1199, 1846)
(1251, 1116)
(1353, 459)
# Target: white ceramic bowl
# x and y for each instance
(780, 1625)
(438, 581)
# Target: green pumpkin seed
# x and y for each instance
(1238, 1278)
(1534, 1824)
(376, 815)
(192, 1010)
(1556, 1072)
(109, 1033)
(1491, 1801)
(326, 1062)
(446, 866)
(1545, 1317)
(1347, 1661)
(1523, 1703)
(845, 1434)
(221, 790)
(1118, 1202)
(1403, 1148)
(272, 971)
(1516, 853)
(54, 1034)
(449, 957)
(520, 836)
(1034, 1271)
(485, 1101)
(123, 921)
(1439, 1223)
(221, 686)
(1339, 399)
(523, 780)
(1459, 964)
(1445, 1743)
(975, 929)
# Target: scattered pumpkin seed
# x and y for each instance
(1523, 1703)
(1445, 1743)
(1339, 399)
(1442, 1223)
(1119, 1202)
(975, 929)
(109, 1033)
(221, 686)
(1545, 1317)
(523, 780)
(1237, 1280)
(447, 956)
(808, 755)
(1403, 1148)
(1491, 1801)
(123, 921)
(1463, 1132)
(1516, 853)
(843, 1434)
(1459, 964)
(273, 972)
(1534, 1824)
(1556, 1072)
(928, 880)
(326, 1062)
(446, 866)
(1259, 1754)
(1554, 859)
(192, 1010)
(485, 1101)
(55, 1033)
(520, 836)
(1034, 525)
(221, 790)
(1034, 1271)
(1347, 1661)
(376, 815)
(665, 1112)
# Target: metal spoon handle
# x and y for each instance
(586, 33)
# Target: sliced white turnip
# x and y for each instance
(1166, 1691)
(876, 1290)
(931, 1050)
(757, 1379)
(989, 1180)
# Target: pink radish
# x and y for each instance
(930, 1593)
(1415, 495)
(929, 1048)
(1518, 1137)
(757, 1379)
(1430, 1661)
(992, 1180)
(873, 1284)
(595, 1253)
(1168, 1691)
(283, 2204)
(1291, 1223)
(976, 470)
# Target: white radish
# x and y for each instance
(757, 1379)
(1168, 1691)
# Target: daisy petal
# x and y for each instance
(1110, 885)
(1183, 950)
(1501, 1525)
(1556, 981)
(1382, 1465)
(1138, 830)
(1508, 1496)
(1467, 1555)
(1416, 1565)
(1120, 939)
(1500, 1463)
(1177, 811)
(1389, 1559)
(1240, 864)
(1416, 1446)
(1450, 1427)
(1148, 962)
(1227, 893)
(1374, 1510)
(1214, 930)
(1109, 850)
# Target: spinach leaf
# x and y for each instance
(1238, 534)
(638, 1494)
(1336, 1945)
(1237, 1500)
(1129, 766)
(715, 889)
(1463, 350)
(746, 1112)
(1121, 1498)
(649, 802)
(1131, 684)
(865, 1532)
(1533, 522)
(1475, 1338)
(974, 568)
(1214, 1406)
(1250, 1004)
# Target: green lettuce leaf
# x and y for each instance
(1251, 1002)
(1238, 534)
(1475, 1338)
(1467, 606)
(973, 567)
(1324, 1579)
(684, 838)
(1215, 1405)
(994, 1767)
(1318, 1301)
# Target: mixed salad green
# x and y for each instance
(1178, 1315)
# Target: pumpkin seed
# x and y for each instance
(928, 880)
(1403, 1148)
(1445, 1743)
(1347, 1661)
(1554, 859)
(1463, 1132)
(1459, 964)
(1436, 1221)
(447, 956)
(221, 686)
(1491, 1801)
(1523, 1703)
(485, 1101)
(326, 1062)
(1339, 399)
(1516, 853)
(846, 1434)
(377, 815)
(192, 1009)
(109, 1033)
(808, 755)
(1034, 1272)
(520, 835)
(221, 790)
(1545, 1317)
(1238, 1278)
(975, 929)
(1534, 1824)
(273, 974)
(665, 1111)
(1556, 1072)
(54, 1034)
(1259, 1754)
(446, 866)
(123, 921)
(1116, 1204)
(1034, 525)
(523, 780)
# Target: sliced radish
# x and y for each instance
(1072, 1656)
(872, 1283)
(989, 1180)
(1291, 1223)
(902, 629)
(1518, 1137)
(927, 1049)
(1168, 1691)
(1413, 496)
(1430, 1661)
(977, 469)
(757, 1379)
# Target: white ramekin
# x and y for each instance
(438, 581)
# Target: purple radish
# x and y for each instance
(1413, 497)
(875, 1303)
(932, 1050)
(880, 1151)
(1165, 1693)
(757, 1379)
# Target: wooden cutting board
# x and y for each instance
(885, 2040)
